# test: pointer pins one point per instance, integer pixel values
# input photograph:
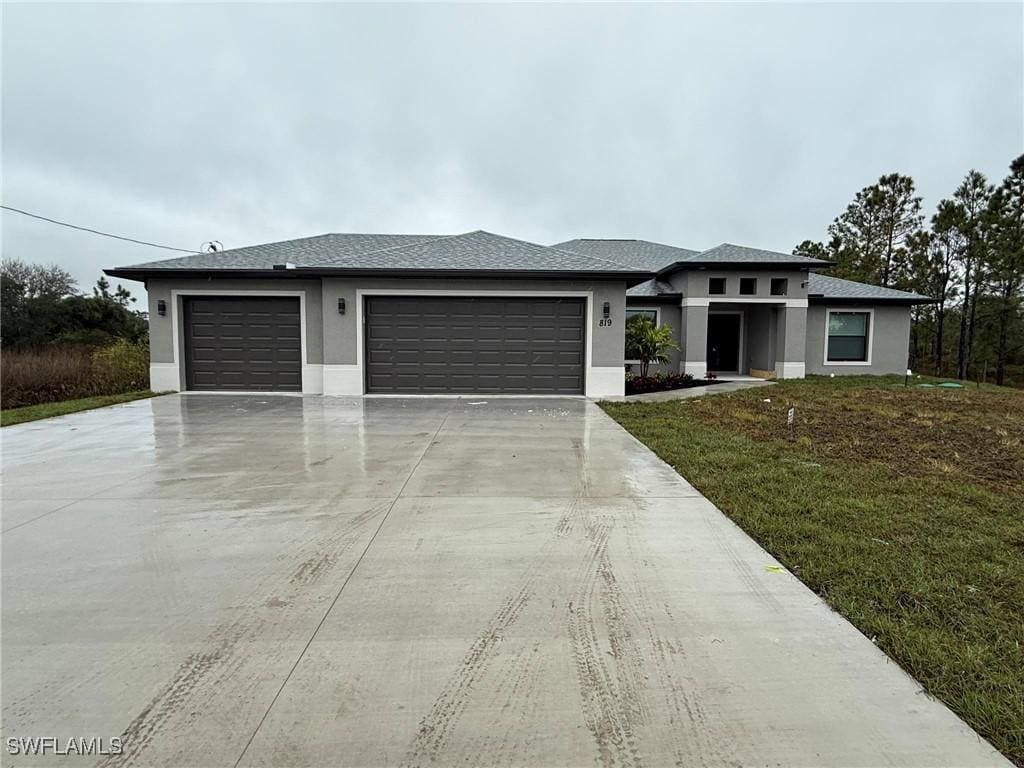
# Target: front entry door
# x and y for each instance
(723, 342)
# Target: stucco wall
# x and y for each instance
(760, 341)
(340, 333)
(693, 283)
(161, 348)
(332, 338)
(890, 340)
(790, 342)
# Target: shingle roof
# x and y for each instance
(727, 253)
(836, 288)
(643, 253)
(319, 249)
(652, 288)
(471, 252)
(661, 258)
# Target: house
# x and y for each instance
(749, 311)
(351, 314)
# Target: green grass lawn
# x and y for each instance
(46, 410)
(902, 507)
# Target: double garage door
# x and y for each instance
(492, 344)
(411, 344)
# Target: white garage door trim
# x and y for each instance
(351, 380)
(169, 377)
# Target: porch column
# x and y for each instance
(694, 338)
(790, 342)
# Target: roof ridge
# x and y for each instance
(618, 264)
(272, 242)
(557, 250)
(667, 245)
(608, 239)
(383, 234)
(629, 240)
(430, 239)
(746, 247)
(809, 261)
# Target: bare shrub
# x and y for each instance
(31, 377)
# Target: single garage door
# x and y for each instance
(509, 345)
(243, 343)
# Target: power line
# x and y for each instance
(94, 231)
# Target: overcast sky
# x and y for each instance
(686, 124)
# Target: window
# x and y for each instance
(632, 313)
(780, 286)
(716, 286)
(650, 314)
(848, 337)
(748, 286)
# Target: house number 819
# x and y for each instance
(605, 321)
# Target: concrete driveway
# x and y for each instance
(227, 580)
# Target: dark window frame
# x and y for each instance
(779, 283)
(748, 283)
(714, 282)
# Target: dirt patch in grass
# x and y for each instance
(971, 433)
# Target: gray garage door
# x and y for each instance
(242, 343)
(509, 345)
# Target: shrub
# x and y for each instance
(31, 377)
(121, 367)
(648, 343)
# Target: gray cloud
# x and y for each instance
(690, 124)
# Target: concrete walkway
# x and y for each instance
(732, 385)
(223, 580)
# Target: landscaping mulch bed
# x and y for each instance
(642, 385)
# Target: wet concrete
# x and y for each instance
(231, 580)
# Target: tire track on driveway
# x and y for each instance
(617, 643)
(348, 578)
(224, 656)
(225, 652)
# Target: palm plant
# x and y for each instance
(648, 343)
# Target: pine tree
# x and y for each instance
(871, 235)
(972, 198)
(1003, 230)
(815, 249)
(946, 247)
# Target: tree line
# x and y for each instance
(968, 257)
(40, 307)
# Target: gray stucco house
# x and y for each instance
(349, 314)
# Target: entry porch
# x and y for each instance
(766, 339)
